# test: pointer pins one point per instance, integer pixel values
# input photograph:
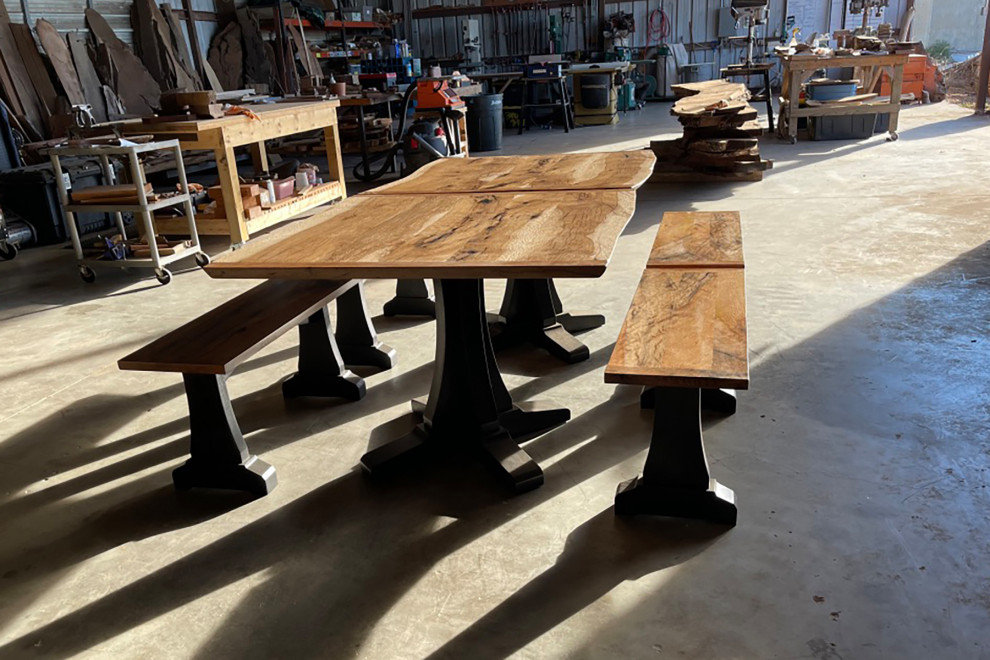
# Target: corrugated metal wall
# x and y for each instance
(68, 15)
(690, 21)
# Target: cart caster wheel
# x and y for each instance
(87, 274)
(7, 251)
(892, 137)
(202, 260)
(164, 275)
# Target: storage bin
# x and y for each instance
(842, 127)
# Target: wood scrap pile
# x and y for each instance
(253, 199)
(111, 195)
(720, 140)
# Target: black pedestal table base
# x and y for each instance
(412, 298)
(531, 313)
(469, 408)
(356, 336)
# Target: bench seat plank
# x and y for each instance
(216, 342)
(698, 239)
(685, 328)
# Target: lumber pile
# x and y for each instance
(253, 200)
(721, 136)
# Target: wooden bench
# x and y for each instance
(208, 349)
(683, 339)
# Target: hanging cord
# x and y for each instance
(659, 27)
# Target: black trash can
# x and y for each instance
(484, 122)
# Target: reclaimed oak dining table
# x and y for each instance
(457, 240)
(531, 310)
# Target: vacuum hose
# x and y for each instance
(388, 155)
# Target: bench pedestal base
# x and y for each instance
(469, 409)
(321, 368)
(531, 313)
(412, 298)
(356, 336)
(219, 457)
(523, 420)
(716, 504)
(675, 480)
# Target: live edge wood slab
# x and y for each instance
(685, 328)
(620, 170)
(469, 236)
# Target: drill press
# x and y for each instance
(751, 13)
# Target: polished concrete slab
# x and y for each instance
(860, 457)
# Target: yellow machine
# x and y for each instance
(596, 93)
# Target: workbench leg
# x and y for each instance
(769, 93)
(896, 86)
(528, 315)
(462, 413)
(219, 457)
(412, 298)
(675, 480)
(259, 157)
(335, 162)
(356, 334)
(231, 189)
(795, 99)
(321, 369)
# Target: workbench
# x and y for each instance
(223, 135)
(797, 69)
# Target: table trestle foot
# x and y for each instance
(321, 369)
(412, 298)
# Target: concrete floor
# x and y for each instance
(859, 457)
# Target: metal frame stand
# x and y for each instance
(143, 210)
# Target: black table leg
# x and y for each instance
(412, 298)
(321, 369)
(356, 336)
(468, 399)
(219, 457)
(531, 313)
(675, 480)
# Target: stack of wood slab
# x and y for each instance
(377, 131)
(721, 136)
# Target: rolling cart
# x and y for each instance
(143, 210)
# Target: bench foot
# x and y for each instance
(723, 401)
(253, 476)
(321, 368)
(531, 313)
(346, 386)
(637, 497)
(412, 298)
(575, 323)
(219, 457)
(356, 336)
(675, 480)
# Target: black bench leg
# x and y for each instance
(722, 401)
(675, 479)
(356, 335)
(528, 314)
(766, 86)
(321, 369)
(412, 298)
(219, 457)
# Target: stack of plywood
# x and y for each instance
(721, 136)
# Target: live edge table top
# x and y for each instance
(466, 236)
(617, 170)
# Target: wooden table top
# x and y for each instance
(698, 239)
(619, 170)
(506, 235)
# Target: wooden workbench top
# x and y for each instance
(267, 112)
(619, 170)
(528, 235)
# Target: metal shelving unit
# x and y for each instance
(142, 211)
